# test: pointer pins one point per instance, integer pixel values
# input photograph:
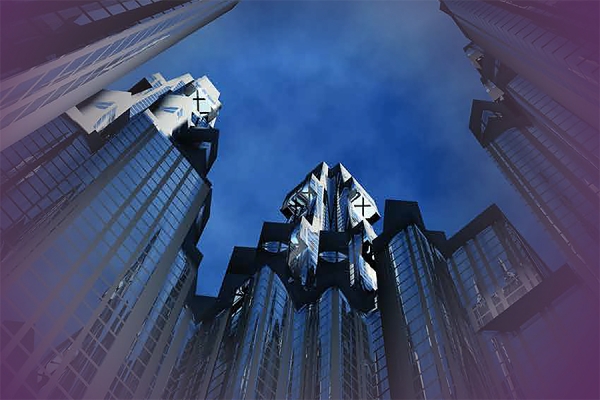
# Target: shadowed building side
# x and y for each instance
(539, 63)
(102, 209)
(539, 327)
(431, 348)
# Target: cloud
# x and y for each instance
(382, 87)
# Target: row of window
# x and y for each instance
(106, 284)
(270, 356)
(61, 264)
(568, 208)
(131, 371)
(58, 180)
(523, 35)
(561, 120)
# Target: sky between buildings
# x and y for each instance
(382, 87)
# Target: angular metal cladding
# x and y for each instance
(301, 307)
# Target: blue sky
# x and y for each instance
(381, 86)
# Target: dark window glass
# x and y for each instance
(98, 14)
(70, 13)
(57, 93)
(130, 5)
(115, 9)
(82, 20)
(33, 106)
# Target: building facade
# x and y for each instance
(102, 209)
(323, 308)
(296, 317)
(539, 64)
(537, 328)
(56, 54)
(432, 349)
(551, 44)
(493, 266)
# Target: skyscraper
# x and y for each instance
(300, 317)
(102, 209)
(56, 54)
(323, 308)
(552, 45)
(431, 348)
(539, 64)
(538, 327)
(296, 317)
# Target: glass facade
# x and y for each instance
(539, 63)
(439, 355)
(553, 44)
(323, 308)
(493, 267)
(98, 252)
(296, 318)
(80, 48)
(566, 128)
(538, 328)
(558, 188)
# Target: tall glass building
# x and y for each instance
(297, 316)
(479, 315)
(539, 64)
(551, 44)
(538, 327)
(431, 347)
(323, 308)
(101, 211)
(493, 267)
(56, 54)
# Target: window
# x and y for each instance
(333, 256)
(274, 247)
(96, 11)
(115, 9)
(11, 117)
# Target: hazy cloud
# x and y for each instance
(382, 87)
